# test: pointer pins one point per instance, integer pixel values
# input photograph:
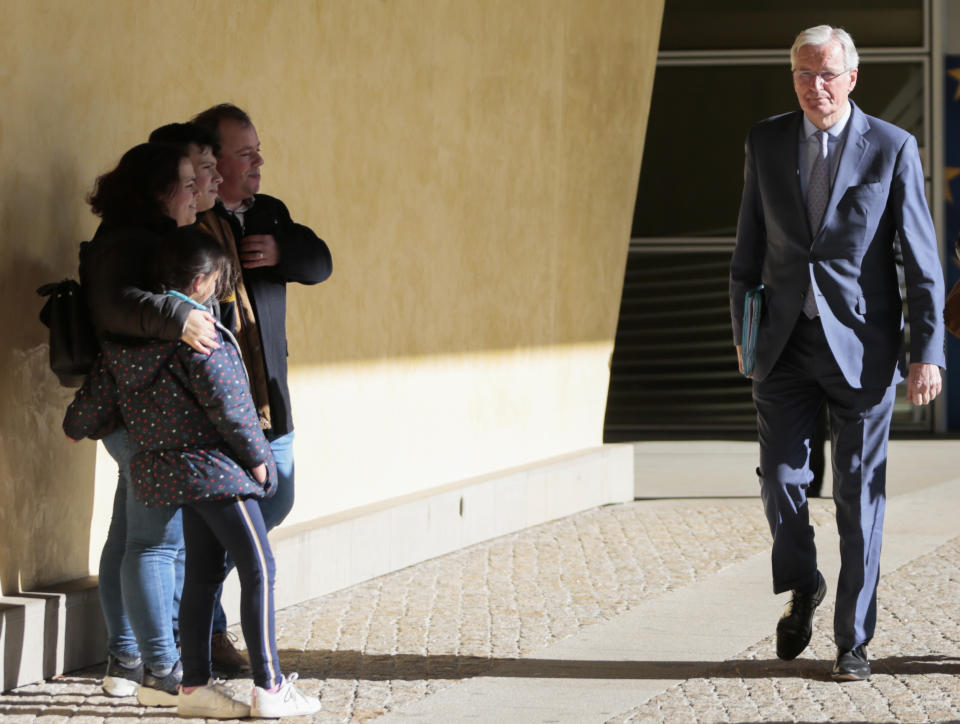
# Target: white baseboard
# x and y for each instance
(324, 555)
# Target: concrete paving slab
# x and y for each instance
(725, 468)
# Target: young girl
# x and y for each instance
(200, 447)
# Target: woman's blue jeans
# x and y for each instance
(141, 570)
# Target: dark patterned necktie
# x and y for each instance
(818, 193)
(818, 187)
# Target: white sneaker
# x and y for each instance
(287, 701)
(213, 701)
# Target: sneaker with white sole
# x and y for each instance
(160, 690)
(286, 701)
(120, 680)
(213, 701)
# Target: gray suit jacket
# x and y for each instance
(877, 197)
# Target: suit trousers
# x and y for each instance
(789, 400)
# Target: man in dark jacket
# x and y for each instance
(271, 250)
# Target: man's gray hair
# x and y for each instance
(823, 34)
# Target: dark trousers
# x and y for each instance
(788, 404)
(211, 530)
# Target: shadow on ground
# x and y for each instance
(383, 667)
(78, 693)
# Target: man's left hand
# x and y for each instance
(923, 383)
(258, 250)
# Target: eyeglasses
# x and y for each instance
(808, 76)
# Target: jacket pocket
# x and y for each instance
(872, 187)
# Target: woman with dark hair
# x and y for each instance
(150, 192)
(200, 448)
(142, 189)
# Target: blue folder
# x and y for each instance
(752, 309)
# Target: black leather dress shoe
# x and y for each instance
(796, 624)
(851, 665)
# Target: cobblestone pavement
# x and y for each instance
(915, 658)
(373, 647)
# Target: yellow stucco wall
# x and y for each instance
(472, 164)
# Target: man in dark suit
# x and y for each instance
(828, 194)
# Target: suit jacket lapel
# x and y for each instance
(854, 149)
(791, 179)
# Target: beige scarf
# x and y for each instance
(248, 333)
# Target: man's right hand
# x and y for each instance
(199, 332)
(258, 250)
(740, 357)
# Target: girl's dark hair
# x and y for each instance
(133, 192)
(186, 253)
